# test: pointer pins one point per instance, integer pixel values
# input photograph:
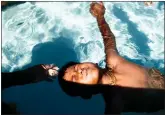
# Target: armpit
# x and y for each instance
(113, 58)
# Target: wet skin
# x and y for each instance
(127, 74)
(84, 73)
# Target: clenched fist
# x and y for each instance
(97, 9)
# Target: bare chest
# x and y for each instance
(132, 76)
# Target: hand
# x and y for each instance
(97, 9)
(51, 69)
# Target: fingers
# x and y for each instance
(52, 72)
(46, 66)
(55, 68)
(93, 3)
(43, 66)
(101, 3)
(49, 66)
(93, 13)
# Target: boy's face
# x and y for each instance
(84, 73)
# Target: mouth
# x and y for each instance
(80, 71)
(73, 78)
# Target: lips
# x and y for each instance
(83, 72)
(73, 78)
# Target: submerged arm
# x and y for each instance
(22, 77)
(30, 75)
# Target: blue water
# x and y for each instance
(59, 43)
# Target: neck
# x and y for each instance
(107, 77)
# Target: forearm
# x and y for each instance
(22, 77)
(16, 78)
(108, 36)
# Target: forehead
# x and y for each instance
(86, 64)
(72, 68)
(69, 71)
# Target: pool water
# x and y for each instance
(59, 32)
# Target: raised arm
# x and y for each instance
(98, 10)
(108, 36)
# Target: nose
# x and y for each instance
(80, 70)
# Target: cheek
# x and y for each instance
(93, 78)
(67, 77)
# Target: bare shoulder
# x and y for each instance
(113, 59)
(119, 64)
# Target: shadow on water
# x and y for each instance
(59, 52)
(48, 97)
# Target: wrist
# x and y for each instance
(99, 17)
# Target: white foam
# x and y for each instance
(74, 17)
(150, 21)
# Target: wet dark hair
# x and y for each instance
(76, 89)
